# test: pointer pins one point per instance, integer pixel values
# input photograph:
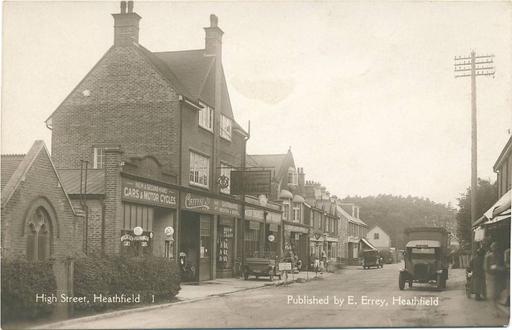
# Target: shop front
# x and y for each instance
(262, 235)
(297, 240)
(207, 235)
(148, 218)
(316, 245)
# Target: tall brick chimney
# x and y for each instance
(301, 180)
(213, 39)
(126, 25)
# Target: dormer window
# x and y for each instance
(292, 177)
(226, 125)
(206, 117)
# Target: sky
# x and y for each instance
(363, 92)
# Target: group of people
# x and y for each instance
(489, 270)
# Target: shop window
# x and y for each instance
(225, 127)
(205, 241)
(98, 158)
(38, 236)
(225, 172)
(225, 247)
(199, 169)
(206, 117)
(252, 238)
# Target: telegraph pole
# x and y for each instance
(473, 66)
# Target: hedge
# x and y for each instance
(149, 277)
(21, 281)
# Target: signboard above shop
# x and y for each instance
(203, 204)
(250, 182)
(148, 193)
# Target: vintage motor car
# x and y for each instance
(425, 257)
(371, 258)
(261, 266)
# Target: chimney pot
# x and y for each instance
(130, 6)
(123, 7)
(214, 20)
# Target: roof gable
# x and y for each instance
(18, 175)
(279, 162)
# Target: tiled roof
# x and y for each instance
(9, 164)
(276, 162)
(71, 181)
(194, 74)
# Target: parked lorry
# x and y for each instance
(425, 257)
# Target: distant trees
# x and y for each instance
(395, 213)
(487, 194)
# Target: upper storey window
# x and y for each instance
(225, 127)
(206, 117)
(99, 158)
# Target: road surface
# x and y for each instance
(371, 298)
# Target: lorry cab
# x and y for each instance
(425, 260)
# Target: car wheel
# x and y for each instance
(401, 281)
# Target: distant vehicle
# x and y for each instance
(425, 257)
(371, 258)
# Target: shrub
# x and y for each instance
(149, 277)
(21, 281)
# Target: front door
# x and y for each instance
(205, 248)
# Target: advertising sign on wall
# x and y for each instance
(147, 193)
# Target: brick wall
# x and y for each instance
(95, 216)
(129, 104)
(40, 188)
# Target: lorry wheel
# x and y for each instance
(443, 282)
(401, 281)
(439, 281)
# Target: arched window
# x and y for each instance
(38, 235)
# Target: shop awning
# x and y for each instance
(498, 212)
(367, 245)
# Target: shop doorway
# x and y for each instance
(195, 242)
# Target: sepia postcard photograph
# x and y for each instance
(255, 164)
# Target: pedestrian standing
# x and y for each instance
(492, 273)
(478, 274)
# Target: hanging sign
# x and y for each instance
(250, 182)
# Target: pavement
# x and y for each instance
(192, 293)
(351, 298)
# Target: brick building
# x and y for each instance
(287, 189)
(39, 222)
(158, 134)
